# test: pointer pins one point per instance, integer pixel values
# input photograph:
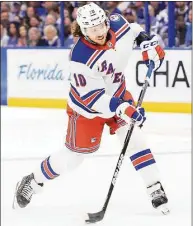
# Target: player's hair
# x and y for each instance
(75, 28)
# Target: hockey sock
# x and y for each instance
(145, 164)
(140, 154)
(59, 162)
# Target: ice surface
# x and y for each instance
(28, 135)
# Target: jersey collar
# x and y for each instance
(109, 44)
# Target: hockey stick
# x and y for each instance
(95, 217)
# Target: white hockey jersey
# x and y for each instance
(97, 72)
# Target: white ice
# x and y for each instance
(30, 135)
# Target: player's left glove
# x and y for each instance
(152, 51)
(126, 110)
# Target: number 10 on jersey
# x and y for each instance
(80, 80)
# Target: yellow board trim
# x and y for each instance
(176, 107)
(173, 107)
(37, 103)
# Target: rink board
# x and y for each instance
(39, 78)
(55, 103)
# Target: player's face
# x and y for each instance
(98, 33)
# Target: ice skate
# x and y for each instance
(158, 197)
(25, 190)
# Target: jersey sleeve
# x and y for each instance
(87, 92)
(136, 29)
(121, 26)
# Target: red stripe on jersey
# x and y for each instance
(78, 98)
(93, 56)
(120, 90)
(122, 29)
(89, 99)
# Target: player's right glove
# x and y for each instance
(152, 51)
(127, 111)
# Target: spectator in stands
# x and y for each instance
(50, 6)
(35, 22)
(22, 36)
(66, 13)
(17, 19)
(22, 12)
(139, 7)
(16, 8)
(34, 4)
(180, 28)
(188, 38)
(71, 5)
(50, 20)
(122, 6)
(130, 15)
(162, 22)
(153, 19)
(112, 7)
(39, 13)
(69, 41)
(50, 37)
(56, 13)
(13, 33)
(39, 9)
(5, 19)
(29, 14)
(4, 37)
(181, 9)
(157, 6)
(5, 7)
(34, 36)
(73, 29)
(190, 6)
(74, 13)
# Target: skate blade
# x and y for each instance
(15, 204)
(164, 209)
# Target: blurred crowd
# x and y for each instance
(39, 23)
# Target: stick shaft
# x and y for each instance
(127, 139)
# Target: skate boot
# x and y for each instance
(24, 191)
(158, 197)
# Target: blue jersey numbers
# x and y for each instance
(80, 80)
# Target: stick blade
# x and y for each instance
(95, 217)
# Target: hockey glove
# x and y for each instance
(127, 111)
(152, 51)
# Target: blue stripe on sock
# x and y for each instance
(43, 171)
(144, 164)
(139, 154)
(50, 168)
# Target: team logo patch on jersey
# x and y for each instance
(114, 17)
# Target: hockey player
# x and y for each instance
(98, 97)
